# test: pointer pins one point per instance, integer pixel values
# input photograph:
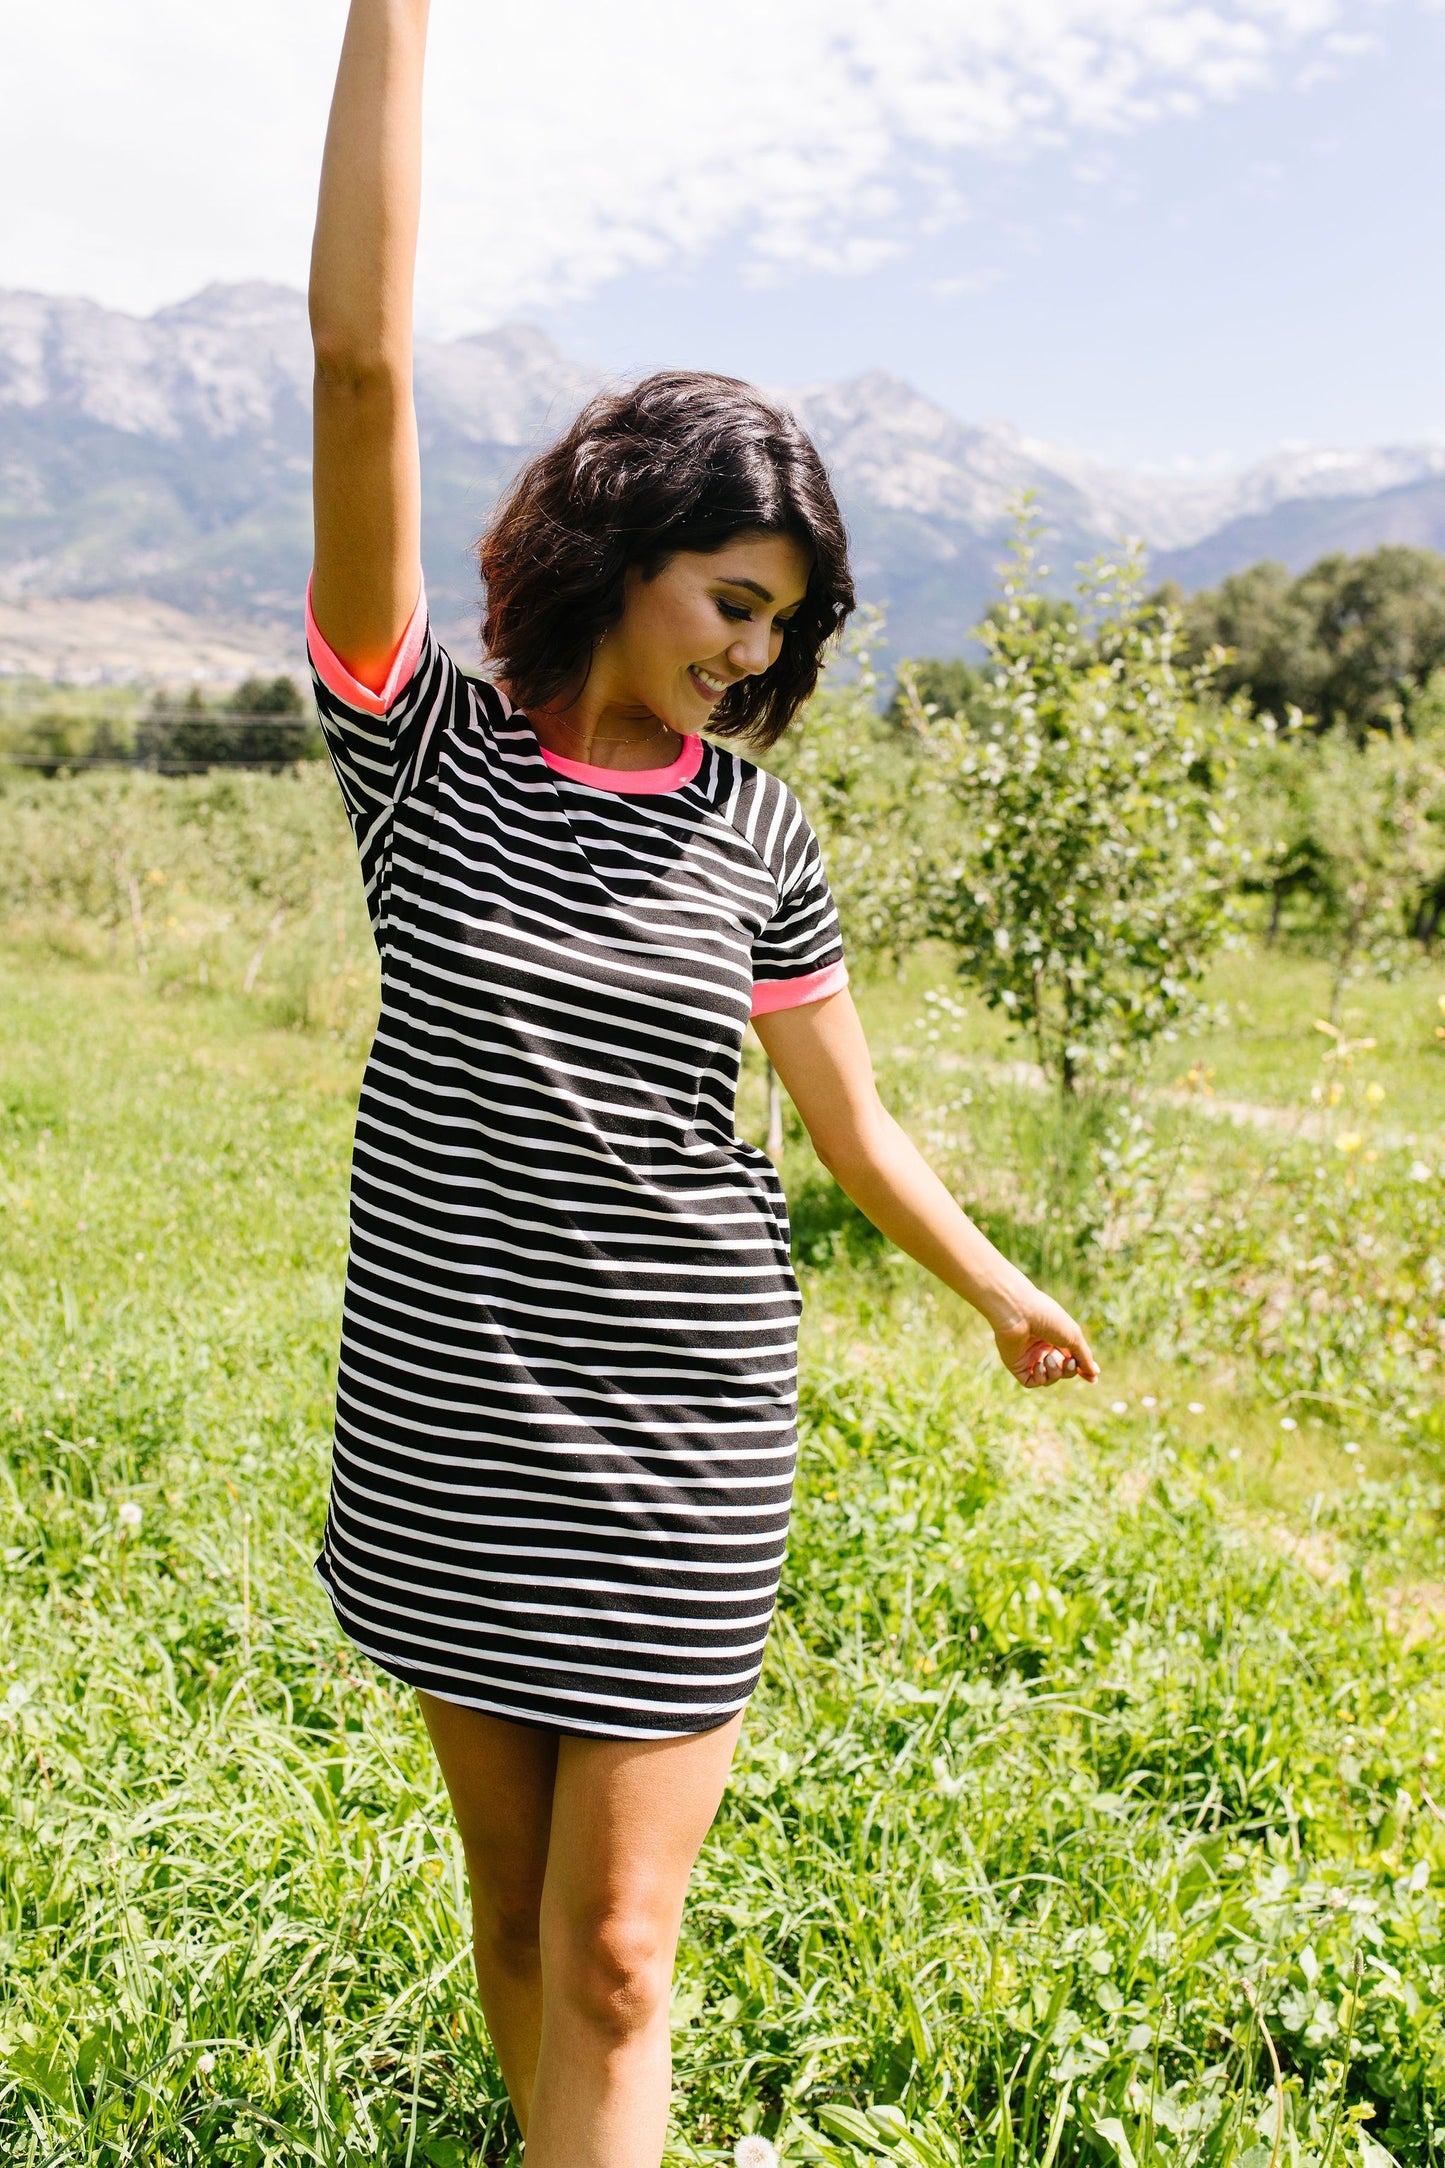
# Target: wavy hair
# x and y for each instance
(682, 461)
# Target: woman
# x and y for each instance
(565, 1407)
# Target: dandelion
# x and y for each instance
(755, 2152)
(1148, 1401)
(1375, 1094)
(128, 1514)
(1350, 1446)
(1234, 1453)
(1287, 1422)
(1419, 1172)
(1196, 1407)
(1350, 1142)
(1119, 1407)
(206, 2063)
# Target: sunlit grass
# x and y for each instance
(1269, 1050)
(1076, 1732)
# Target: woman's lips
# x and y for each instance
(711, 688)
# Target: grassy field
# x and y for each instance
(1088, 1812)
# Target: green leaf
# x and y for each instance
(1113, 2132)
(853, 2124)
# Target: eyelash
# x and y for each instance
(737, 616)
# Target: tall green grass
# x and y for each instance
(1076, 1795)
(232, 882)
(1088, 1811)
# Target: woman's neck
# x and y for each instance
(605, 734)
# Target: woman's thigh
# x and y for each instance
(500, 1780)
(628, 1820)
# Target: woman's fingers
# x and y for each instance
(1082, 1356)
(1040, 1365)
(1047, 1363)
(1053, 1347)
(1074, 1350)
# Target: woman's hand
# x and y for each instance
(1041, 1344)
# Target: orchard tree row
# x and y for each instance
(1088, 813)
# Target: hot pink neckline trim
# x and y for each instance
(680, 771)
(337, 679)
(770, 995)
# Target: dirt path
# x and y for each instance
(1313, 1123)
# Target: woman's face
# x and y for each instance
(701, 624)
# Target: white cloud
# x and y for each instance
(153, 146)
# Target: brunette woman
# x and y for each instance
(566, 1400)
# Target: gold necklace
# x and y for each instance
(659, 729)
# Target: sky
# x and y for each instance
(1176, 234)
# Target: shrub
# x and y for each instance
(1087, 879)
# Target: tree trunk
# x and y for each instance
(1343, 961)
(253, 969)
(131, 886)
(1429, 915)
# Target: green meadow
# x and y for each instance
(1089, 1812)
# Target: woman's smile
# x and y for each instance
(712, 688)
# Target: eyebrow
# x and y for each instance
(729, 579)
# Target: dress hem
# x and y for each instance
(510, 1715)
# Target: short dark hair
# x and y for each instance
(682, 461)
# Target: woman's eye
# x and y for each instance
(734, 612)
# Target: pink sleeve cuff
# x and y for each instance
(334, 675)
(772, 994)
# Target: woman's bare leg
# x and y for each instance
(500, 1778)
(628, 1818)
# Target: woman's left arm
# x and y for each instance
(822, 1058)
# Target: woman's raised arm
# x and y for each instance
(366, 485)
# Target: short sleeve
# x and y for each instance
(383, 744)
(379, 741)
(798, 955)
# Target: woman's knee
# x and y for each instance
(613, 1971)
(506, 1919)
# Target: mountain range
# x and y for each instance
(162, 462)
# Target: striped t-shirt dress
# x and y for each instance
(566, 1398)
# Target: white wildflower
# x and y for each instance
(1120, 1407)
(128, 1514)
(1287, 1422)
(755, 2152)
(1196, 1407)
(206, 2063)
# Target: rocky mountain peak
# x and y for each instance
(166, 456)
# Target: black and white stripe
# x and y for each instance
(567, 1389)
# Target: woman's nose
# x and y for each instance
(752, 649)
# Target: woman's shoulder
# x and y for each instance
(759, 804)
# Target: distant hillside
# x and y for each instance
(1304, 529)
(166, 459)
